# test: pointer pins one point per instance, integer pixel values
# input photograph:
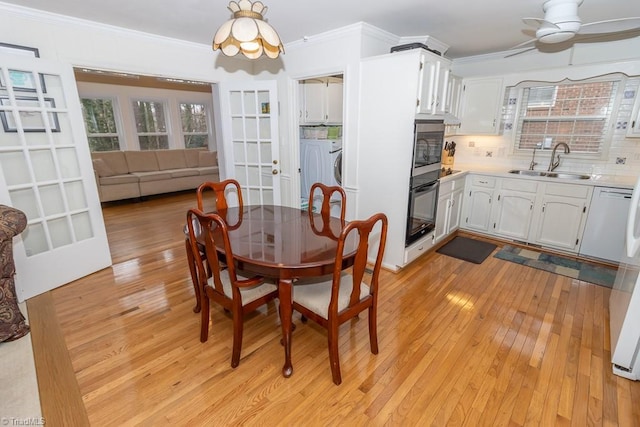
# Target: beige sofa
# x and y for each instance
(130, 174)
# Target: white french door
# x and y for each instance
(46, 172)
(249, 149)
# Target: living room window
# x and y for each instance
(194, 124)
(577, 114)
(151, 124)
(101, 125)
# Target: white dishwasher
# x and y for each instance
(603, 236)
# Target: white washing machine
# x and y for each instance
(320, 161)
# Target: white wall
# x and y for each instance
(583, 61)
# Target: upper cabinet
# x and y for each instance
(633, 129)
(321, 101)
(480, 107)
(454, 94)
(434, 80)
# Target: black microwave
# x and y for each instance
(428, 140)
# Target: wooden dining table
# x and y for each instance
(285, 244)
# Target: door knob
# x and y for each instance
(274, 172)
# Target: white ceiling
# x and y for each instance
(469, 27)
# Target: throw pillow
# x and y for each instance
(102, 168)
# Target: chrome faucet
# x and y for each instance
(555, 163)
(533, 162)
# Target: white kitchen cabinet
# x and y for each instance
(562, 215)
(513, 210)
(481, 106)
(418, 248)
(449, 208)
(321, 101)
(633, 128)
(478, 201)
(454, 93)
(434, 79)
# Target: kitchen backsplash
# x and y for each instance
(496, 151)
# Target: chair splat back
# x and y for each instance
(220, 190)
(326, 193)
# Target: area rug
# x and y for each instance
(466, 249)
(599, 275)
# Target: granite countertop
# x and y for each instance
(603, 180)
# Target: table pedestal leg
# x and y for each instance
(284, 294)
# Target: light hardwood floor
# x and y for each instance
(460, 344)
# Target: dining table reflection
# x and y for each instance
(285, 244)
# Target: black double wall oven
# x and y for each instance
(425, 176)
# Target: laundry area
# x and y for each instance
(320, 161)
(321, 102)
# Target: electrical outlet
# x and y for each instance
(472, 143)
(621, 160)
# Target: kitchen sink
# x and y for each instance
(528, 172)
(559, 175)
(563, 175)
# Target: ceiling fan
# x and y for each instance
(561, 23)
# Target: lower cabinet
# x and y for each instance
(514, 208)
(418, 248)
(542, 213)
(478, 202)
(562, 216)
(449, 208)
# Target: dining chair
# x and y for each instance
(237, 294)
(326, 192)
(333, 302)
(220, 190)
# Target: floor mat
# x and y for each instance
(467, 249)
(599, 275)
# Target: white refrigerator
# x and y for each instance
(624, 303)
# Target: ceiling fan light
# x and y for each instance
(247, 32)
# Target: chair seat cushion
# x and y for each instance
(316, 296)
(248, 294)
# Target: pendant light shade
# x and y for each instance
(247, 32)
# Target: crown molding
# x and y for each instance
(357, 29)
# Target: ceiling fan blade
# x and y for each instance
(539, 23)
(524, 44)
(519, 52)
(610, 26)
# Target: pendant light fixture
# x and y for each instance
(247, 32)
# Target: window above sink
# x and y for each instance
(576, 113)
